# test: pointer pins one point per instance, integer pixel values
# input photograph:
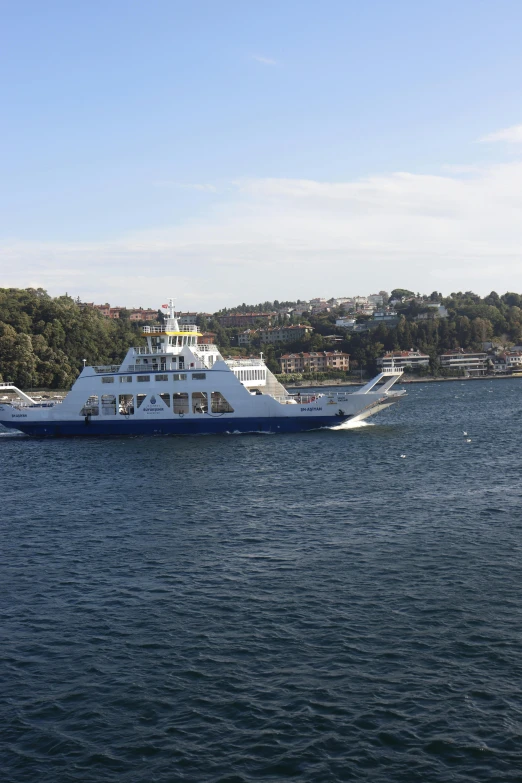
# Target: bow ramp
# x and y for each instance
(372, 398)
(22, 395)
(392, 374)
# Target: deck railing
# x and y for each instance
(163, 329)
(146, 368)
(107, 368)
(144, 349)
(392, 370)
(245, 363)
(205, 347)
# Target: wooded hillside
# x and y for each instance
(43, 340)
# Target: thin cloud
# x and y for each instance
(463, 231)
(264, 60)
(285, 238)
(512, 135)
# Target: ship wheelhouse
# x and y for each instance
(171, 347)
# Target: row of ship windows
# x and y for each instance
(251, 375)
(181, 403)
(177, 376)
(243, 375)
(177, 341)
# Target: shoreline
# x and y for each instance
(53, 393)
(401, 382)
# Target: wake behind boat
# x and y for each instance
(176, 385)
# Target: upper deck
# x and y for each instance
(191, 329)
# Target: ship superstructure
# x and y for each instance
(175, 384)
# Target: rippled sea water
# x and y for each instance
(307, 607)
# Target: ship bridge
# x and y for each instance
(171, 347)
(170, 338)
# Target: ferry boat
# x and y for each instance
(176, 385)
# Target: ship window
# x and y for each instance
(165, 396)
(139, 400)
(162, 377)
(91, 407)
(180, 403)
(126, 404)
(125, 378)
(199, 402)
(108, 379)
(219, 404)
(179, 376)
(108, 404)
(143, 378)
(198, 376)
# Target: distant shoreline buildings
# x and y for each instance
(314, 361)
(278, 324)
(135, 314)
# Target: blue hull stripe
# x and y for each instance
(181, 426)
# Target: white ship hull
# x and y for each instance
(159, 415)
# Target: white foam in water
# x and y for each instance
(353, 425)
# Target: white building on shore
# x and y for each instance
(473, 364)
(403, 359)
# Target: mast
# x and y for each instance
(172, 322)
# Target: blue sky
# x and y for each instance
(238, 151)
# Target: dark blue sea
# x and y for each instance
(308, 607)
